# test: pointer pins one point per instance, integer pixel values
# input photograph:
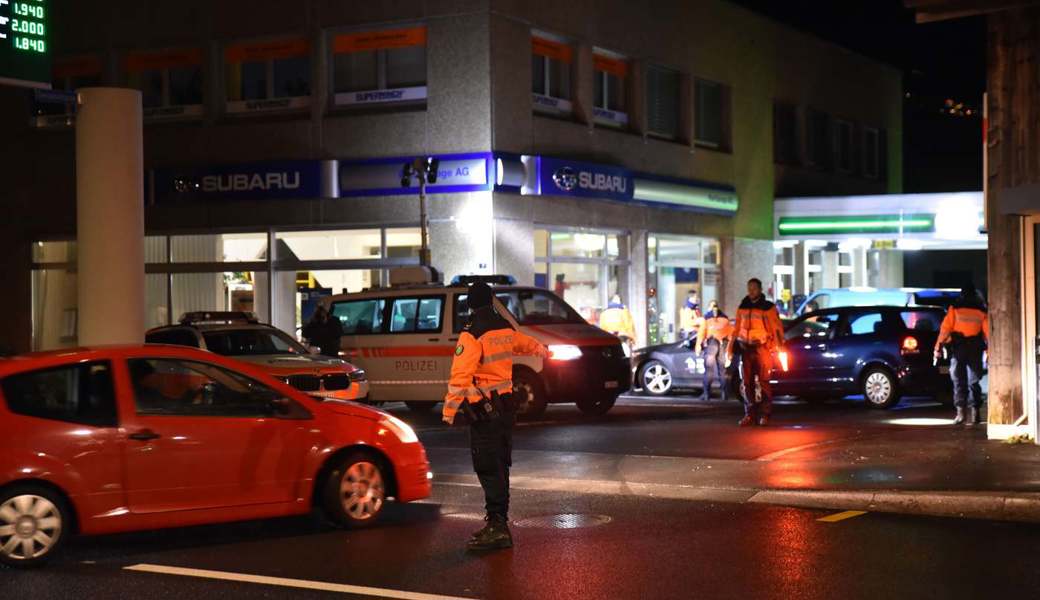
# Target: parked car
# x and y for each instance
(239, 335)
(882, 352)
(96, 441)
(866, 296)
(665, 368)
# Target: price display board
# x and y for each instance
(25, 58)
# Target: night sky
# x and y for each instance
(940, 61)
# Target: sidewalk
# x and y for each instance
(932, 470)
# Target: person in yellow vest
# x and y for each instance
(715, 329)
(757, 335)
(690, 316)
(617, 319)
(480, 387)
(966, 331)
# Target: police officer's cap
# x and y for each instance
(479, 295)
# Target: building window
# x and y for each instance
(377, 67)
(264, 76)
(551, 74)
(170, 81)
(711, 114)
(585, 268)
(611, 76)
(56, 108)
(662, 102)
(679, 269)
(871, 153)
(820, 147)
(843, 146)
(785, 133)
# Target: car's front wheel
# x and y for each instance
(880, 389)
(529, 394)
(355, 490)
(655, 378)
(597, 406)
(34, 522)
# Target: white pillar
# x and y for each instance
(110, 216)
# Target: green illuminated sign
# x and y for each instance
(25, 58)
(846, 224)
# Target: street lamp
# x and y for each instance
(424, 170)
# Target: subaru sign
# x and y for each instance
(382, 176)
(254, 181)
(571, 178)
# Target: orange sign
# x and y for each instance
(379, 40)
(77, 66)
(551, 49)
(261, 51)
(610, 65)
(165, 59)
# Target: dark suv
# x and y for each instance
(881, 352)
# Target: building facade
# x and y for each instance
(593, 148)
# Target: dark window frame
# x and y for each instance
(725, 112)
(662, 71)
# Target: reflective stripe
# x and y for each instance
(497, 387)
(463, 392)
(496, 357)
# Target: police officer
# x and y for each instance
(757, 335)
(966, 330)
(480, 388)
(714, 330)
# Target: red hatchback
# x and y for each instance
(106, 440)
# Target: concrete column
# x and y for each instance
(742, 259)
(859, 267)
(801, 273)
(830, 269)
(110, 216)
(637, 284)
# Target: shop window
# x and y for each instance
(677, 267)
(264, 76)
(551, 74)
(56, 107)
(711, 114)
(219, 247)
(170, 81)
(329, 245)
(871, 153)
(379, 67)
(81, 393)
(843, 148)
(662, 102)
(820, 147)
(611, 75)
(576, 244)
(785, 133)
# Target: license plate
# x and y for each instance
(610, 385)
(944, 370)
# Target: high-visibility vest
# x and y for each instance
(617, 321)
(758, 323)
(714, 328)
(689, 319)
(968, 322)
(483, 361)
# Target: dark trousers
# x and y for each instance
(966, 372)
(756, 361)
(713, 367)
(491, 443)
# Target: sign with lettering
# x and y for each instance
(382, 177)
(25, 58)
(290, 179)
(560, 177)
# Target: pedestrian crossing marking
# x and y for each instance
(842, 516)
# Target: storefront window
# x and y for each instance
(330, 245)
(227, 247)
(679, 266)
(584, 268)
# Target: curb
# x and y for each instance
(999, 506)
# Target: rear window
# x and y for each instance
(360, 317)
(920, 320)
(176, 337)
(528, 307)
(81, 393)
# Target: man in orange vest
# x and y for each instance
(481, 388)
(757, 336)
(714, 330)
(966, 330)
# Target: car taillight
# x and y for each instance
(910, 346)
(783, 357)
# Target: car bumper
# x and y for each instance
(413, 474)
(594, 372)
(925, 381)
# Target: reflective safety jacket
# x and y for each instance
(483, 360)
(715, 326)
(618, 320)
(967, 321)
(690, 319)
(758, 324)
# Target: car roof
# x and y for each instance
(878, 308)
(23, 362)
(423, 289)
(214, 327)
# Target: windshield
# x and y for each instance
(529, 307)
(251, 342)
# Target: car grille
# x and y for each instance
(334, 383)
(305, 383)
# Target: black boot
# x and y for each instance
(975, 416)
(494, 536)
(959, 419)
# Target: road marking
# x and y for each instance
(289, 583)
(842, 516)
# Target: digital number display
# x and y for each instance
(24, 43)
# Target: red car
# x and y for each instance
(104, 440)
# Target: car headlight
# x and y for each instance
(402, 430)
(358, 375)
(564, 352)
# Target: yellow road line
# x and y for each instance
(842, 516)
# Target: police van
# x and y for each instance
(404, 337)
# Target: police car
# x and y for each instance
(239, 335)
(404, 336)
